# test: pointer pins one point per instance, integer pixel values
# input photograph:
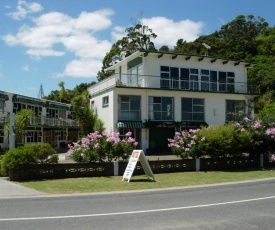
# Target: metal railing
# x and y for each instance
(43, 121)
(147, 81)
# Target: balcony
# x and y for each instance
(146, 81)
(43, 121)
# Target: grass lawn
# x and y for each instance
(109, 184)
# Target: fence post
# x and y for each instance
(116, 168)
(198, 164)
(261, 160)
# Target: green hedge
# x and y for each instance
(35, 153)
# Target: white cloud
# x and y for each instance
(25, 68)
(38, 53)
(118, 33)
(168, 31)
(24, 8)
(86, 68)
(71, 35)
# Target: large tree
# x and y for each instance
(138, 37)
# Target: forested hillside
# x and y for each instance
(247, 38)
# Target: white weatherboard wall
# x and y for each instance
(105, 113)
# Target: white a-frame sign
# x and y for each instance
(137, 155)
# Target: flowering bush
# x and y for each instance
(262, 135)
(215, 141)
(99, 147)
(186, 143)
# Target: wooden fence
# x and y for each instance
(72, 170)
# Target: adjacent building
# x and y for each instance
(52, 121)
(154, 94)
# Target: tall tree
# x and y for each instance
(63, 93)
(139, 37)
(240, 36)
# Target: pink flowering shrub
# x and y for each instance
(214, 141)
(262, 135)
(100, 147)
(186, 143)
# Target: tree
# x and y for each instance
(22, 121)
(82, 99)
(240, 36)
(87, 119)
(63, 93)
(139, 37)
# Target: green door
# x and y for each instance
(160, 137)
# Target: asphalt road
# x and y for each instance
(248, 205)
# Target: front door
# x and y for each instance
(159, 138)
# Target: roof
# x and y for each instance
(145, 53)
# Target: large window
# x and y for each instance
(17, 107)
(135, 76)
(196, 79)
(129, 107)
(234, 108)
(161, 108)
(192, 109)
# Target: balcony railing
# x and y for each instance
(43, 121)
(145, 81)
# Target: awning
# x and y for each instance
(130, 124)
(28, 100)
(57, 105)
(4, 96)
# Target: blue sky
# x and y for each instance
(49, 41)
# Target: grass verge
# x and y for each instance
(109, 184)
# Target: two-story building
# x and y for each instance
(153, 94)
(52, 121)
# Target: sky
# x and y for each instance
(44, 42)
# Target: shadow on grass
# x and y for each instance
(142, 180)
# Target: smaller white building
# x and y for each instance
(52, 121)
(153, 94)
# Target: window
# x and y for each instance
(161, 108)
(196, 79)
(129, 107)
(34, 136)
(105, 101)
(17, 107)
(205, 77)
(135, 76)
(92, 104)
(2, 135)
(234, 108)
(192, 109)
(2, 104)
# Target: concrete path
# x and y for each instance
(10, 189)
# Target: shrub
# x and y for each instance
(225, 140)
(100, 147)
(42, 152)
(28, 154)
(16, 158)
(214, 141)
(187, 144)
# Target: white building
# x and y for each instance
(153, 94)
(52, 121)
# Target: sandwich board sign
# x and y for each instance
(137, 155)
